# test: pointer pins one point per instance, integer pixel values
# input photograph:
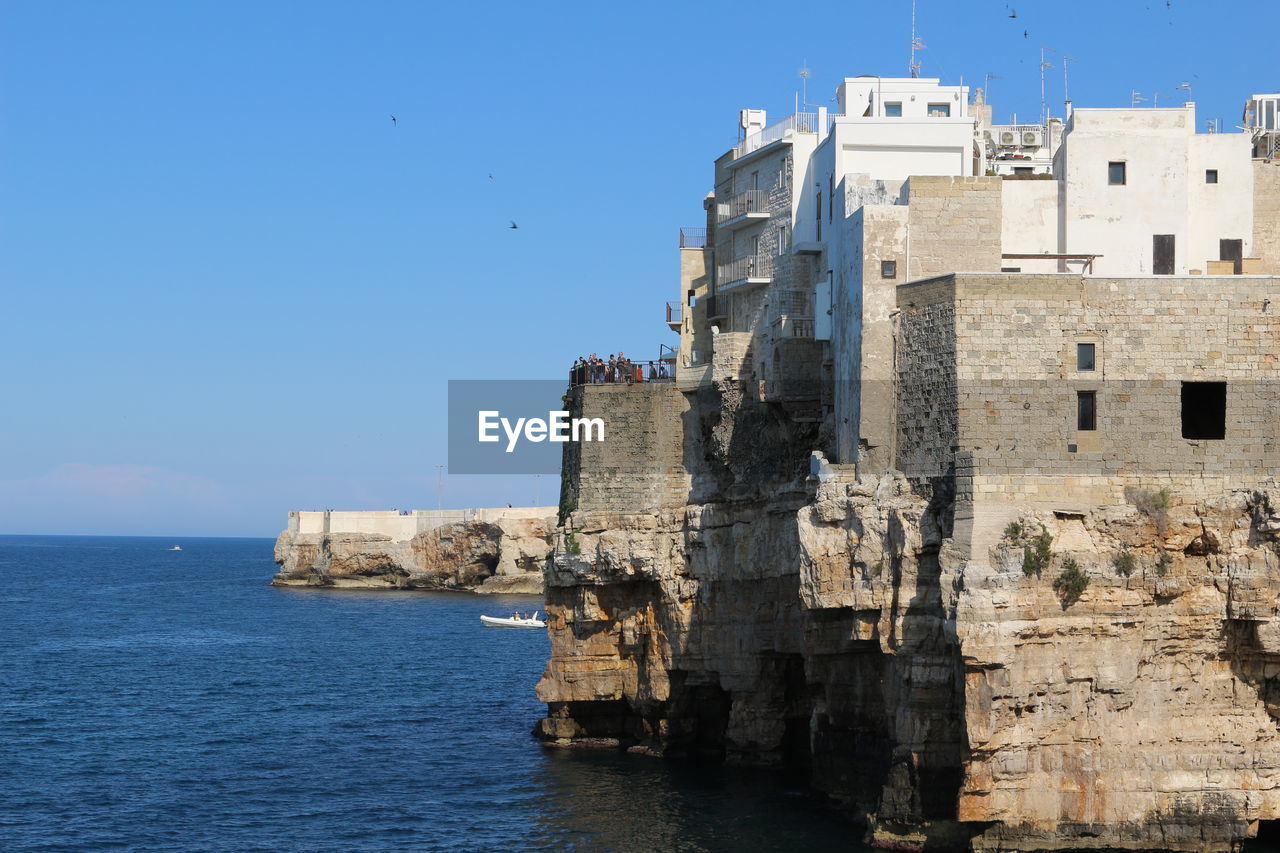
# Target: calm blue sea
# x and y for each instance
(174, 701)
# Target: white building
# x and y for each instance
(817, 218)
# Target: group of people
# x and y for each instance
(595, 370)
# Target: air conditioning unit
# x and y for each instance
(1032, 139)
(1008, 137)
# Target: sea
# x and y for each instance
(165, 700)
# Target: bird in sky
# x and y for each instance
(1026, 35)
(513, 224)
(1013, 13)
(393, 121)
(491, 176)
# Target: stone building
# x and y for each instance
(964, 500)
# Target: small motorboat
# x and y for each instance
(514, 621)
(176, 548)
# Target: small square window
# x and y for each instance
(1115, 174)
(893, 109)
(1024, 170)
(1210, 176)
(1085, 356)
(939, 110)
(1086, 410)
(888, 269)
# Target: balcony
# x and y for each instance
(743, 209)
(747, 271)
(693, 238)
(719, 306)
(798, 123)
(792, 327)
(673, 316)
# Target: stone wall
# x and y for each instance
(1266, 215)
(954, 225)
(640, 462)
(925, 411)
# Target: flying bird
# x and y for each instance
(1026, 35)
(1013, 13)
(491, 176)
(393, 121)
(513, 224)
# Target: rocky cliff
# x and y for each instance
(1105, 679)
(496, 555)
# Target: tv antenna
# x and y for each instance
(1186, 86)
(1066, 92)
(986, 85)
(1155, 102)
(916, 44)
(1135, 98)
(804, 83)
(1044, 105)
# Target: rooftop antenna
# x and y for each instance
(1135, 98)
(986, 84)
(1066, 92)
(916, 44)
(804, 83)
(1185, 85)
(1044, 106)
(1155, 103)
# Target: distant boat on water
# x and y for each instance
(176, 548)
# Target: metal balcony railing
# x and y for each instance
(748, 201)
(719, 306)
(750, 267)
(693, 238)
(673, 313)
(793, 327)
(798, 123)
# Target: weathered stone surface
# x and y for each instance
(936, 689)
(503, 556)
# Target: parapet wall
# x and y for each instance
(400, 525)
(640, 464)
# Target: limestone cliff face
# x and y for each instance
(505, 555)
(951, 696)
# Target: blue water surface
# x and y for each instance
(174, 701)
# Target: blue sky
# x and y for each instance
(231, 287)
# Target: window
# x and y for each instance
(1163, 253)
(755, 180)
(784, 239)
(888, 269)
(893, 109)
(1210, 176)
(1086, 410)
(818, 217)
(831, 195)
(1115, 174)
(939, 110)
(1023, 170)
(1085, 356)
(1204, 410)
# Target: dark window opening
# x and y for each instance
(1086, 410)
(1115, 174)
(893, 109)
(1210, 176)
(1085, 356)
(1162, 254)
(1023, 170)
(1010, 269)
(1232, 250)
(819, 215)
(1204, 410)
(888, 269)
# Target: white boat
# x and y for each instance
(176, 548)
(513, 622)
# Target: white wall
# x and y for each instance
(401, 527)
(1029, 222)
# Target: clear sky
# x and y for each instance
(232, 287)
